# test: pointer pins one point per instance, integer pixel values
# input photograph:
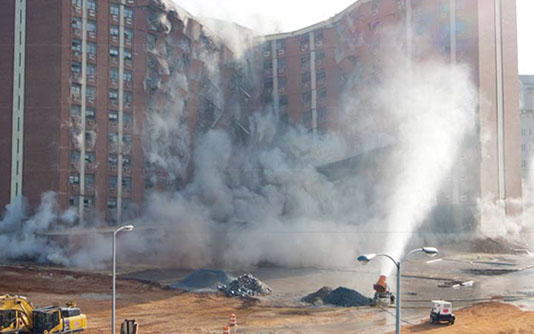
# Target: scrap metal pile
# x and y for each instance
(245, 286)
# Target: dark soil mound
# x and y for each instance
(317, 297)
(347, 297)
(203, 280)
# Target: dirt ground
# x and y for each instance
(160, 310)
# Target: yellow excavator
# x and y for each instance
(19, 316)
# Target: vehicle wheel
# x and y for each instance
(451, 321)
(432, 319)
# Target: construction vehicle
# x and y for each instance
(19, 316)
(15, 314)
(382, 294)
(441, 311)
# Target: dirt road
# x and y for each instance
(160, 310)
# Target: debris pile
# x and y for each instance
(203, 280)
(245, 286)
(340, 297)
(317, 297)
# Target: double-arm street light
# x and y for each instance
(122, 228)
(364, 259)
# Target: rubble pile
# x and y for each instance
(316, 298)
(340, 297)
(203, 280)
(245, 286)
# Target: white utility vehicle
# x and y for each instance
(441, 311)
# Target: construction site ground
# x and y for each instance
(497, 302)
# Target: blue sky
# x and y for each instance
(285, 15)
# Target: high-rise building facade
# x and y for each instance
(76, 72)
(527, 124)
(306, 72)
(88, 83)
(80, 76)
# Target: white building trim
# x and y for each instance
(19, 67)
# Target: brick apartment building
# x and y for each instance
(305, 74)
(78, 76)
(74, 125)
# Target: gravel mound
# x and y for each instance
(340, 297)
(317, 297)
(245, 286)
(203, 280)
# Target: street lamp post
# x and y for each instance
(364, 259)
(114, 252)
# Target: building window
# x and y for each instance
(304, 42)
(75, 156)
(77, 23)
(268, 65)
(113, 74)
(74, 200)
(91, 5)
(76, 46)
(305, 78)
(307, 116)
(127, 76)
(282, 64)
(91, 49)
(280, 44)
(305, 62)
(91, 94)
(126, 161)
(76, 91)
(268, 84)
(128, 35)
(321, 114)
(77, 3)
(112, 203)
(151, 41)
(90, 181)
(91, 71)
(283, 100)
(114, 31)
(88, 201)
(112, 182)
(127, 118)
(128, 97)
(126, 183)
(321, 75)
(90, 157)
(113, 138)
(322, 94)
(76, 68)
(91, 27)
(75, 111)
(74, 179)
(282, 83)
(128, 12)
(305, 97)
(113, 51)
(113, 116)
(113, 94)
(112, 160)
(320, 55)
(127, 54)
(114, 10)
(90, 113)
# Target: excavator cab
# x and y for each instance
(46, 321)
(8, 320)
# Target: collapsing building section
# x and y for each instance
(194, 83)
